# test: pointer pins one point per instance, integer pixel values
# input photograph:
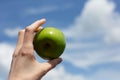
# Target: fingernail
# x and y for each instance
(43, 19)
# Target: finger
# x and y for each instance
(29, 32)
(51, 64)
(19, 42)
(39, 28)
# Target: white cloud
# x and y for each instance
(113, 35)
(98, 18)
(60, 73)
(6, 54)
(81, 45)
(12, 32)
(87, 59)
(105, 74)
(6, 51)
(100, 74)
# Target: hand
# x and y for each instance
(24, 65)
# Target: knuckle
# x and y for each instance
(28, 30)
(14, 55)
(20, 32)
(27, 51)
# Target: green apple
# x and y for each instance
(49, 43)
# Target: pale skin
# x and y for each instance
(24, 65)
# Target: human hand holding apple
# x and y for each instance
(24, 65)
(49, 43)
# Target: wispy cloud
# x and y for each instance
(105, 74)
(86, 60)
(62, 74)
(101, 74)
(97, 19)
(40, 10)
(46, 9)
(12, 32)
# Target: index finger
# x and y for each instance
(29, 32)
(36, 25)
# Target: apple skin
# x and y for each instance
(49, 43)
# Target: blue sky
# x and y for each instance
(91, 27)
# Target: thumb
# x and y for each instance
(52, 63)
